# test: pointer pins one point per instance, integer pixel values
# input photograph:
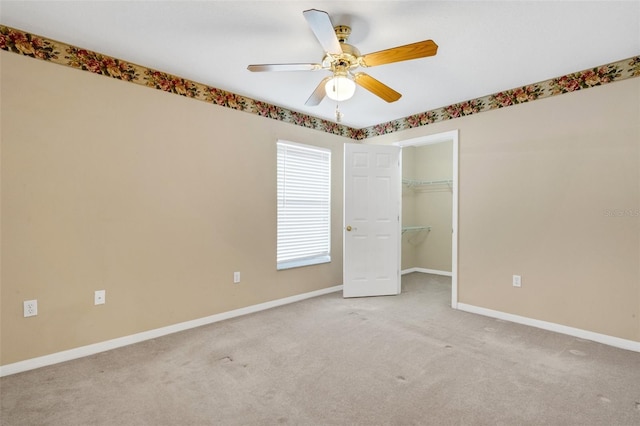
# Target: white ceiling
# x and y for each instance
(484, 46)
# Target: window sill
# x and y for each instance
(303, 262)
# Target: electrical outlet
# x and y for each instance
(517, 281)
(99, 297)
(236, 277)
(30, 308)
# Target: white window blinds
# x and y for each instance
(304, 205)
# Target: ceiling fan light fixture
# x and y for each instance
(340, 88)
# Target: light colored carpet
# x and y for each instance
(402, 360)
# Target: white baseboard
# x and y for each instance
(617, 342)
(426, 271)
(43, 361)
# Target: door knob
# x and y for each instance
(348, 228)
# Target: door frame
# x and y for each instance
(450, 136)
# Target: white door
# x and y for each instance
(372, 200)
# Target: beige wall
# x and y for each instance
(427, 205)
(536, 184)
(158, 199)
(153, 197)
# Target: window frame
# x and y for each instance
(317, 200)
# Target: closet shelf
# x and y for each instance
(415, 228)
(412, 183)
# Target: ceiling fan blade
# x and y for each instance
(318, 95)
(284, 67)
(421, 49)
(376, 87)
(322, 27)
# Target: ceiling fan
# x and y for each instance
(343, 59)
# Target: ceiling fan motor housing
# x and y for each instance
(346, 60)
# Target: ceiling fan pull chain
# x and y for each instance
(339, 114)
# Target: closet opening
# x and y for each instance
(429, 209)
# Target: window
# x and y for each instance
(304, 205)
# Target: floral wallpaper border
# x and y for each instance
(23, 43)
(585, 79)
